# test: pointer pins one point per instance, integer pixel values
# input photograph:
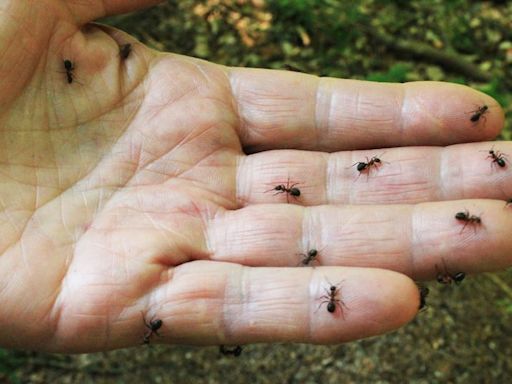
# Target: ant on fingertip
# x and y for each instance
(289, 189)
(447, 278)
(236, 351)
(497, 158)
(153, 326)
(467, 218)
(331, 299)
(479, 113)
(292, 68)
(508, 203)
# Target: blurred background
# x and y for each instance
(465, 336)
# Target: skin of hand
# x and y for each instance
(144, 189)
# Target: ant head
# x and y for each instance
(461, 215)
(333, 287)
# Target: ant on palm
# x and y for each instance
(467, 218)
(69, 67)
(237, 351)
(153, 326)
(309, 257)
(478, 113)
(446, 278)
(330, 298)
(125, 50)
(290, 190)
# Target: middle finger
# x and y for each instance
(411, 239)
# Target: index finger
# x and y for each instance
(280, 109)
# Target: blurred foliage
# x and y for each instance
(378, 40)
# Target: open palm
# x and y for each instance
(126, 192)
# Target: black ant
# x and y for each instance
(478, 113)
(237, 351)
(362, 166)
(291, 190)
(69, 67)
(330, 299)
(468, 219)
(508, 203)
(309, 257)
(446, 278)
(424, 291)
(153, 326)
(292, 68)
(498, 158)
(125, 50)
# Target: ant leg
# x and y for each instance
(322, 303)
(444, 265)
(144, 320)
(465, 224)
(341, 305)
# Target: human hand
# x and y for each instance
(128, 191)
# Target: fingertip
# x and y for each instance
(376, 302)
(441, 113)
